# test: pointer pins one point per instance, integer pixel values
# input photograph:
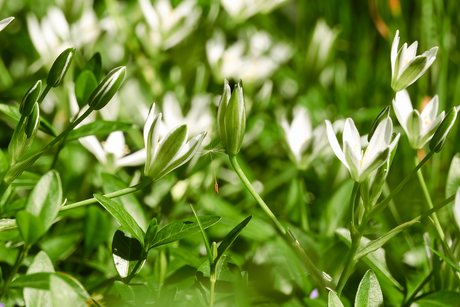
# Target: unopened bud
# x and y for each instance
(107, 88)
(30, 98)
(60, 67)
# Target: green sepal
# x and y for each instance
(440, 136)
(107, 88)
(33, 120)
(385, 111)
(28, 102)
(235, 120)
(60, 67)
(410, 73)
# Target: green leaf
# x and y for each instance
(441, 134)
(375, 124)
(38, 297)
(209, 253)
(226, 270)
(7, 224)
(443, 298)
(46, 198)
(180, 229)
(231, 237)
(99, 128)
(369, 293)
(63, 295)
(447, 260)
(61, 246)
(85, 84)
(150, 234)
(127, 252)
(375, 260)
(333, 300)
(453, 177)
(96, 228)
(3, 164)
(95, 66)
(13, 113)
(30, 226)
(376, 244)
(135, 295)
(410, 73)
(111, 183)
(122, 216)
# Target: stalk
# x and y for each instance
(302, 203)
(43, 94)
(17, 264)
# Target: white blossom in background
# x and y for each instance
(361, 163)
(198, 119)
(321, 44)
(53, 34)
(168, 26)
(253, 58)
(419, 128)
(243, 9)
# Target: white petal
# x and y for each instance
(148, 123)
(92, 144)
(430, 111)
(352, 160)
(172, 113)
(403, 107)
(135, 159)
(300, 131)
(351, 135)
(115, 144)
(402, 55)
(379, 141)
(332, 138)
(394, 52)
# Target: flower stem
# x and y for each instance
(122, 192)
(383, 204)
(14, 270)
(436, 223)
(253, 192)
(303, 204)
(43, 94)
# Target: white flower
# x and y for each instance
(5, 22)
(361, 163)
(302, 139)
(243, 9)
(321, 44)
(169, 26)
(406, 68)
(420, 128)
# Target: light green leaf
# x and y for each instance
(375, 260)
(127, 252)
(369, 293)
(453, 177)
(122, 216)
(111, 183)
(46, 198)
(85, 84)
(376, 244)
(135, 295)
(447, 260)
(30, 226)
(183, 228)
(38, 297)
(63, 295)
(443, 298)
(226, 270)
(7, 224)
(333, 300)
(99, 128)
(151, 233)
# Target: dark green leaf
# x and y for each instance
(231, 237)
(46, 198)
(84, 86)
(128, 253)
(95, 66)
(122, 216)
(98, 128)
(30, 226)
(453, 177)
(134, 294)
(151, 233)
(226, 270)
(443, 298)
(180, 229)
(97, 228)
(13, 113)
(369, 293)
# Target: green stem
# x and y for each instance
(383, 204)
(212, 280)
(122, 192)
(303, 204)
(17, 264)
(417, 289)
(253, 192)
(43, 94)
(436, 223)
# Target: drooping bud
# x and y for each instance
(30, 98)
(60, 67)
(376, 122)
(107, 88)
(440, 136)
(231, 118)
(32, 121)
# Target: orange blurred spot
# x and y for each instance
(216, 187)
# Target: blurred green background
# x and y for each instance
(331, 56)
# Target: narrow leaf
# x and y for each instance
(205, 238)
(99, 128)
(447, 260)
(180, 229)
(369, 293)
(122, 216)
(231, 237)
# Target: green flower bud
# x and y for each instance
(60, 67)
(376, 122)
(440, 136)
(231, 118)
(32, 121)
(30, 98)
(107, 88)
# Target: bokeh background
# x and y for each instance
(333, 57)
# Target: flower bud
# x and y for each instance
(231, 118)
(107, 88)
(376, 122)
(440, 136)
(30, 98)
(60, 67)
(32, 121)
